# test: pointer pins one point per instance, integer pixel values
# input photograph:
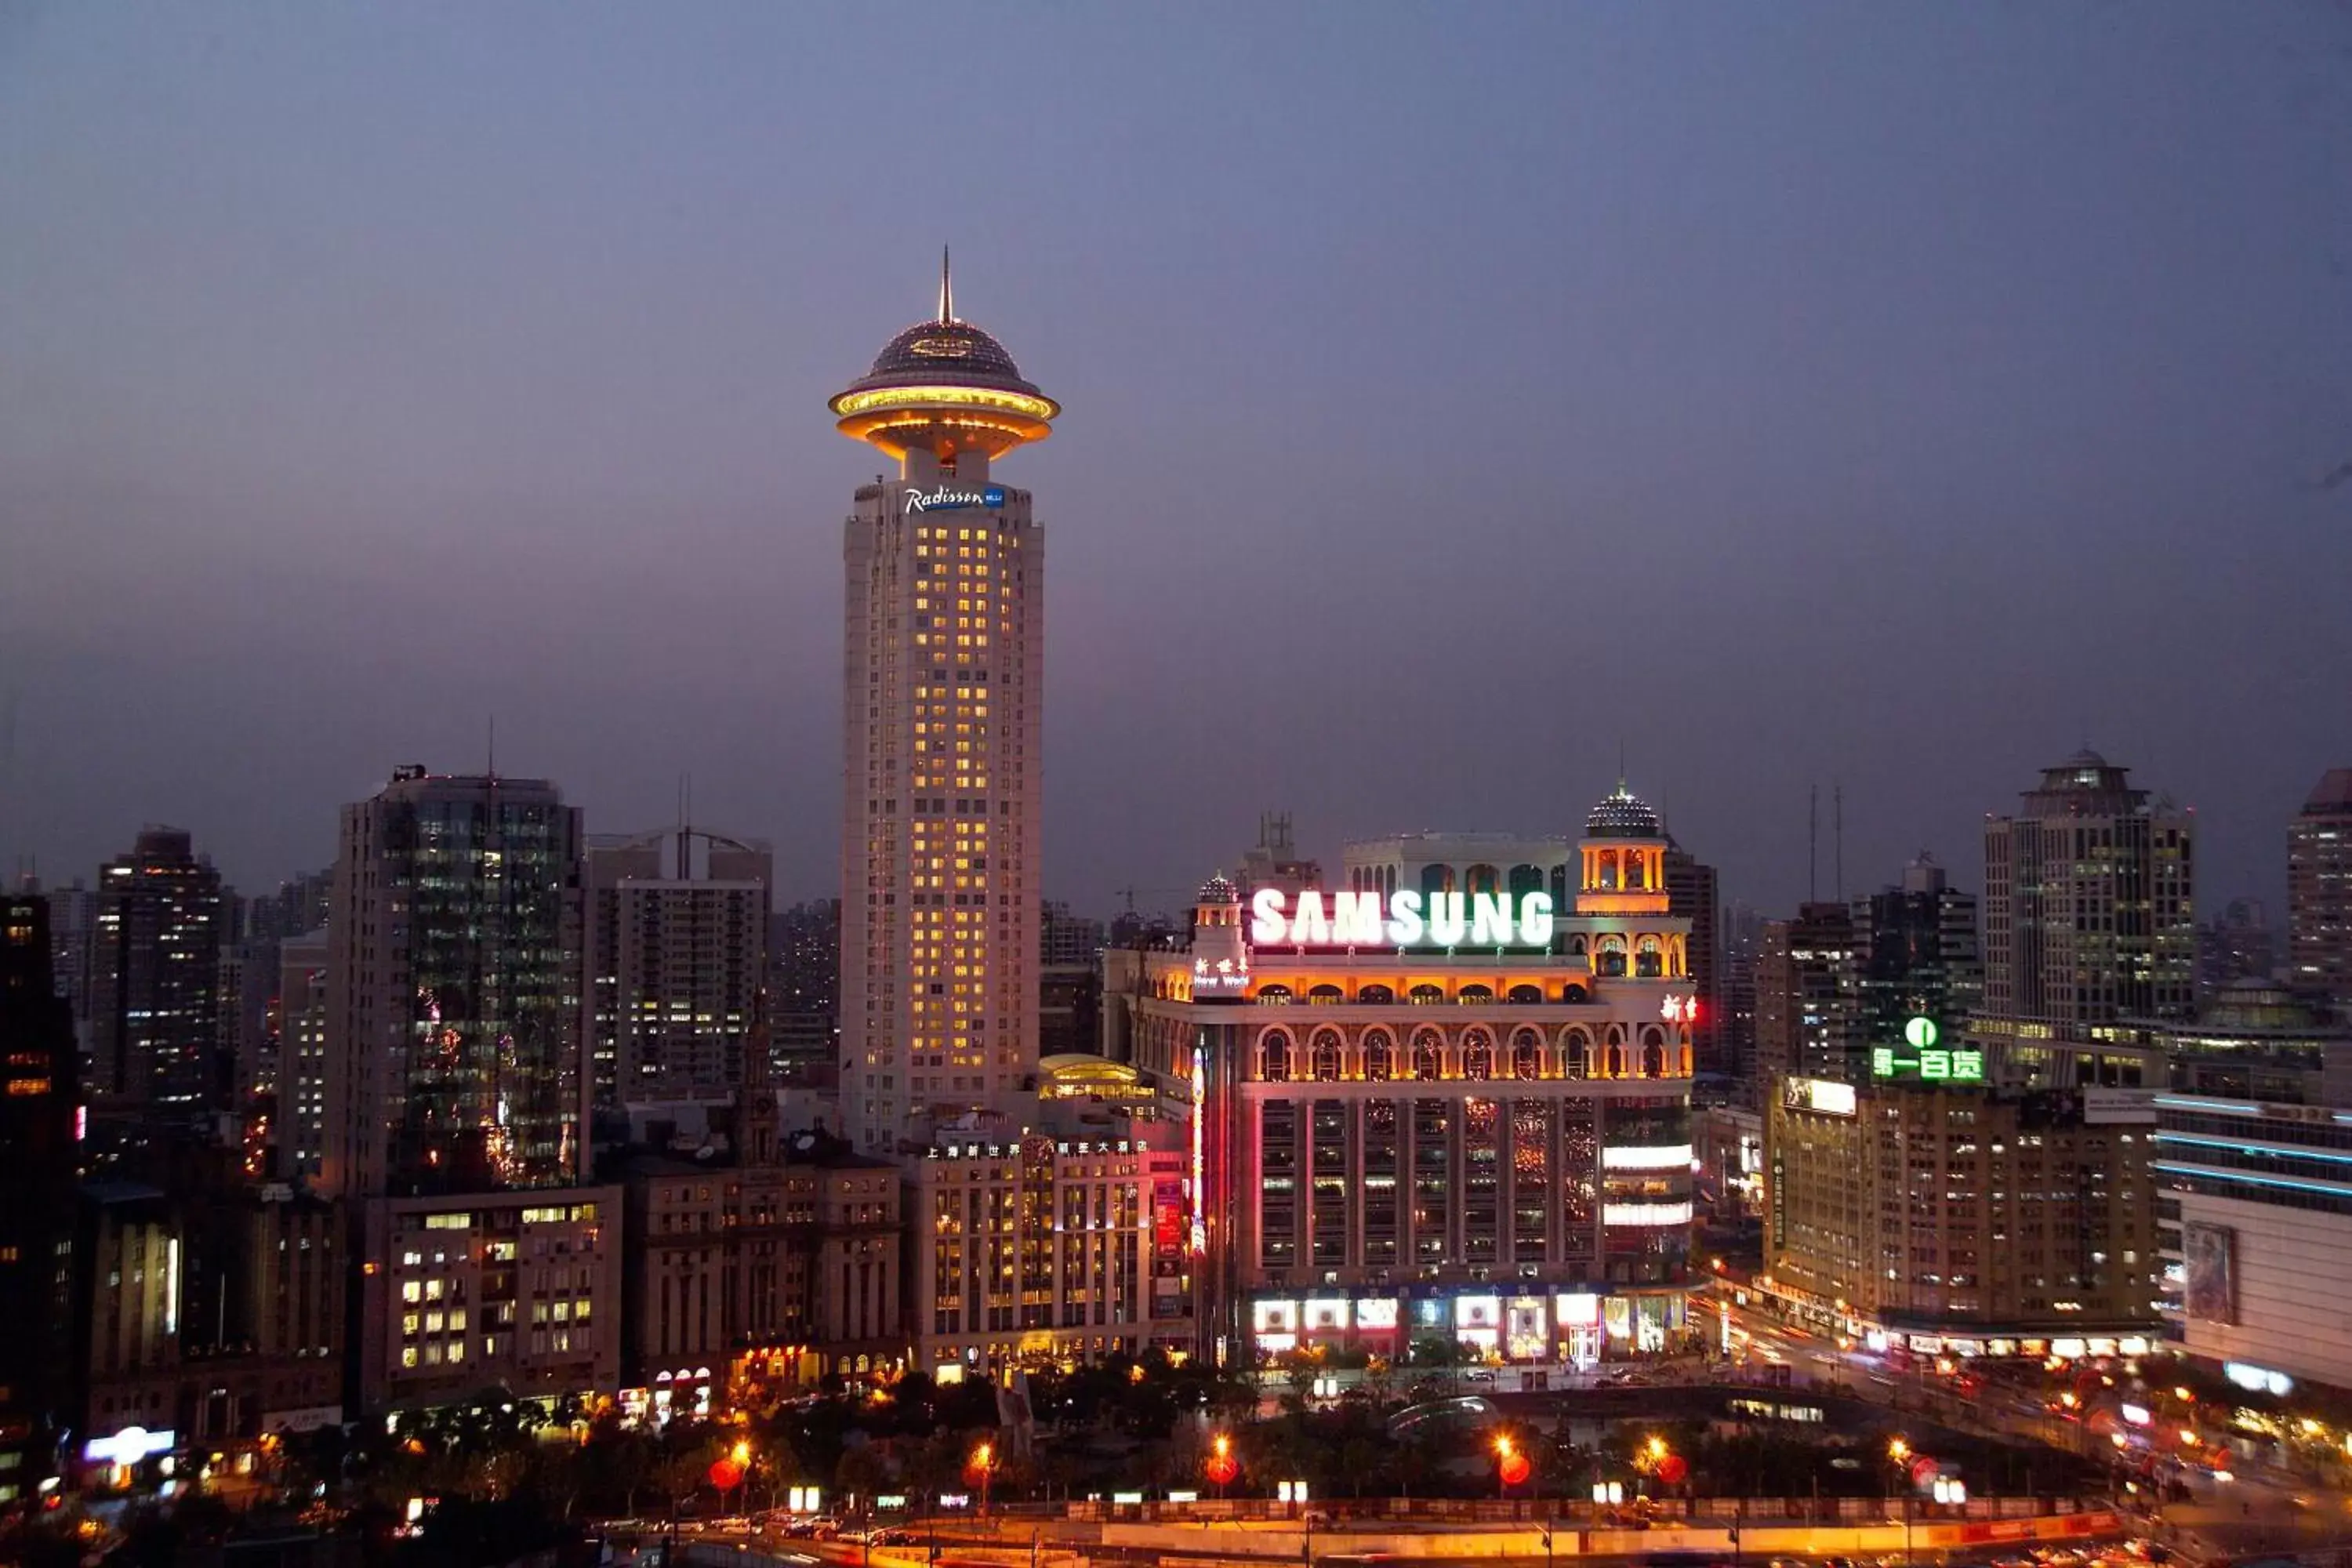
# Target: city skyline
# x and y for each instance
(1935, 431)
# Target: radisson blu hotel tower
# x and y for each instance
(944, 664)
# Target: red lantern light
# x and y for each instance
(725, 1474)
(1221, 1468)
(1673, 1469)
(1515, 1469)
(1923, 1471)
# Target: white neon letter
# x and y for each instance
(1491, 924)
(1534, 920)
(1404, 918)
(1356, 919)
(1308, 927)
(1447, 922)
(1267, 928)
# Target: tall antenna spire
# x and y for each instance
(947, 291)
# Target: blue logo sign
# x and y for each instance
(953, 499)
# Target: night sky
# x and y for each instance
(1895, 397)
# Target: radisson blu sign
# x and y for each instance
(948, 499)
(1408, 919)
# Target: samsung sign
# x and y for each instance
(1409, 920)
(954, 500)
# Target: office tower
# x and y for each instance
(943, 704)
(1809, 1012)
(1917, 945)
(38, 1076)
(454, 1058)
(678, 951)
(2237, 946)
(298, 907)
(1275, 862)
(1691, 896)
(301, 1032)
(2088, 905)
(2319, 890)
(805, 969)
(154, 977)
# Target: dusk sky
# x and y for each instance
(1895, 396)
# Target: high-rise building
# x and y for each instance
(2237, 946)
(1069, 983)
(1691, 896)
(302, 1068)
(678, 951)
(38, 1102)
(804, 980)
(943, 703)
(1809, 1010)
(1743, 943)
(2319, 890)
(1916, 943)
(454, 1058)
(156, 980)
(2089, 909)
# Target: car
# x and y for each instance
(1480, 1376)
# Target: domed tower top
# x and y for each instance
(944, 386)
(1624, 853)
(1622, 814)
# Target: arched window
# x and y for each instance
(1574, 992)
(1653, 1053)
(1425, 994)
(1436, 879)
(1609, 868)
(1575, 1054)
(1613, 1054)
(1326, 996)
(1649, 958)
(1527, 1055)
(1685, 1070)
(1428, 1062)
(1376, 995)
(1380, 1056)
(1526, 995)
(1524, 880)
(1274, 996)
(1477, 1055)
(1576, 948)
(1483, 879)
(1634, 872)
(1274, 1057)
(1477, 995)
(1611, 959)
(1560, 888)
(1327, 1056)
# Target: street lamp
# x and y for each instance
(983, 1460)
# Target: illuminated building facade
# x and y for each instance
(1963, 1217)
(942, 708)
(454, 1059)
(514, 1289)
(1451, 1101)
(1047, 1250)
(302, 993)
(2319, 890)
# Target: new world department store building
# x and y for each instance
(1449, 1101)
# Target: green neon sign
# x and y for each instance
(1923, 1057)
